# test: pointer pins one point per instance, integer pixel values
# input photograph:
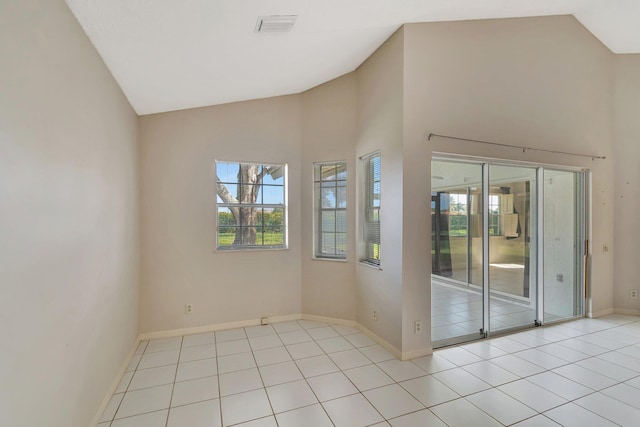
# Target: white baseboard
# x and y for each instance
(626, 311)
(594, 315)
(115, 384)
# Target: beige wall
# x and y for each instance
(68, 220)
(180, 263)
(627, 178)
(328, 134)
(380, 122)
(535, 82)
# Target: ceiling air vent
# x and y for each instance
(275, 23)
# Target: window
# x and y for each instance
(371, 232)
(494, 215)
(251, 206)
(330, 196)
(458, 214)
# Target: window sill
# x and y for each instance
(225, 250)
(329, 259)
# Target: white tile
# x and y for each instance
(309, 416)
(267, 341)
(349, 359)
(311, 324)
(198, 352)
(286, 327)
(585, 377)
(508, 345)
(624, 393)
(420, 418)
(161, 358)
(323, 332)
(634, 382)
(484, 350)
(532, 395)
(152, 377)
(232, 347)
(124, 382)
(392, 401)
(352, 411)
(401, 371)
(295, 337)
(145, 400)
(559, 385)
(460, 413)
(572, 415)
(317, 365)
(260, 422)
(490, 373)
(259, 331)
(368, 377)
(246, 406)
(230, 335)
(240, 381)
(305, 349)
(433, 363)
(537, 421)
(270, 356)
(359, 340)
(288, 396)
(602, 340)
(196, 369)
(111, 408)
(133, 363)
(163, 344)
(280, 373)
(235, 362)
(621, 359)
(195, 391)
(541, 358)
(518, 366)
(608, 369)
(565, 353)
(528, 339)
(152, 419)
(459, 356)
(332, 345)
(583, 347)
(332, 386)
(461, 381)
(198, 339)
(429, 391)
(500, 406)
(376, 353)
(345, 330)
(201, 414)
(611, 409)
(142, 346)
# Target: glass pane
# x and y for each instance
(328, 198)
(341, 196)
(232, 192)
(328, 172)
(227, 172)
(341, 221)
(376, 195)
(328, 221)
(512, 229)
(456, 230)
(272, 195)
(341, 243)
(225, 217)
(563, 286)
(274, 175)
(273, 236)
(328, 243)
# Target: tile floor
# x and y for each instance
(311, 374)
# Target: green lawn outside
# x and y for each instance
(226, 239)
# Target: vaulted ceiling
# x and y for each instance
(176, 54)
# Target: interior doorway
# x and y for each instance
(506, 246)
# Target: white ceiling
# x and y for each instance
(176, 54)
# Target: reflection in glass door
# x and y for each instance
(506, 248)
(512, 246)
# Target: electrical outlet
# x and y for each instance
(605, 247)
(559, 277)
(264, 321)
(417, 327)
(374, 314)
(188, 309)
(633, 294)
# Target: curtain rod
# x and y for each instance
(515, 146)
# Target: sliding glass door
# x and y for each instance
(506, 243)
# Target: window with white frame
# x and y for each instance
(371, 217)
(330, 200)
(251, 209)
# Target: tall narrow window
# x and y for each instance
(371, 232)
(330, 194)
(251, 205)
